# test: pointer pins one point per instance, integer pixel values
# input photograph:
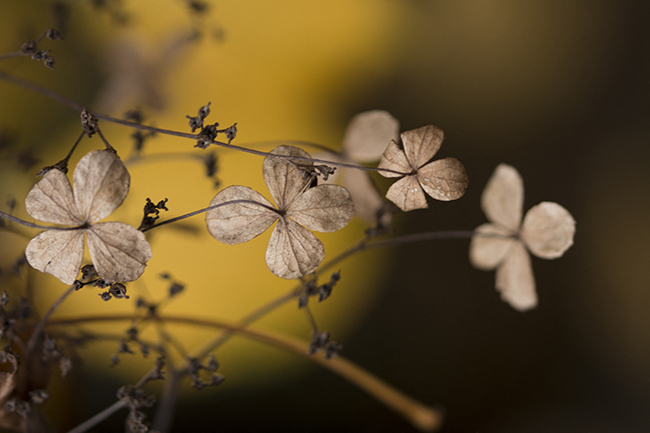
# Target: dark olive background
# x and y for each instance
(561, 91)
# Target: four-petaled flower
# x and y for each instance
(443, 179)
(119, 252)
(547, 231)
(293, 251)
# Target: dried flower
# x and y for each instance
(364, 141)
(293, 251)
(547, 231)
(443, 179)
(101, 183)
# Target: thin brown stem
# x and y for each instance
(99, 417)
(200, 211)
(75, 106)
(33, 225)
(38, 329)
(310, 318)
(10, 55)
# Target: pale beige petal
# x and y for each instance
(118, 251)
(237, 223)
(486, 252)
(325, 208)
(57, 252)
(368, 134)
(515, 280)
(407, 194)
(421, 144)
(293, 250)
(394, 159)
(283, 177)
(51, 200)
(548, 230)
(444, 179)
(367, 200)
(503, 197)
(101, 183)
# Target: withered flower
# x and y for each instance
(119, 252)
(547, 231)
(443, 179)
(293, 251)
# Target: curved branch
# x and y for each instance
(419, 415)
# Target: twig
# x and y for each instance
(75, 106)
(31, 343)
(418, 414)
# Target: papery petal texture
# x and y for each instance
(444, 179)
(293, 251)
(394, 159)
(119, 252)
(421, 144)
(515, 280)
(52, 200)
(101, 183)
(57, 252)
(283, 177)
(368, 134)
(548, 230)
(407, 194)
(366, 198)
(325, 208)
(237, 223)
(503, 197)
(487, 252)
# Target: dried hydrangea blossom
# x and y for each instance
(119, 252)
(443, 179)
(364, 142)
(547, 231)
(293, 251)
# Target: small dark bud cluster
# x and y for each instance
(31, 48)
(152, 213)
(136, 399)
(88, 272)
(195, 366)
(325, 170)
(207, 136)
(321, 341)
(88, 123)
(323, 291)
(115, 290)
(197, 121)
(313, 171)
(208, 133)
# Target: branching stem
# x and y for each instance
(75, 106)
(418, 414)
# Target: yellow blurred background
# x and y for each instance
(558, 89)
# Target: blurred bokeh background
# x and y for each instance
(558, 89)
